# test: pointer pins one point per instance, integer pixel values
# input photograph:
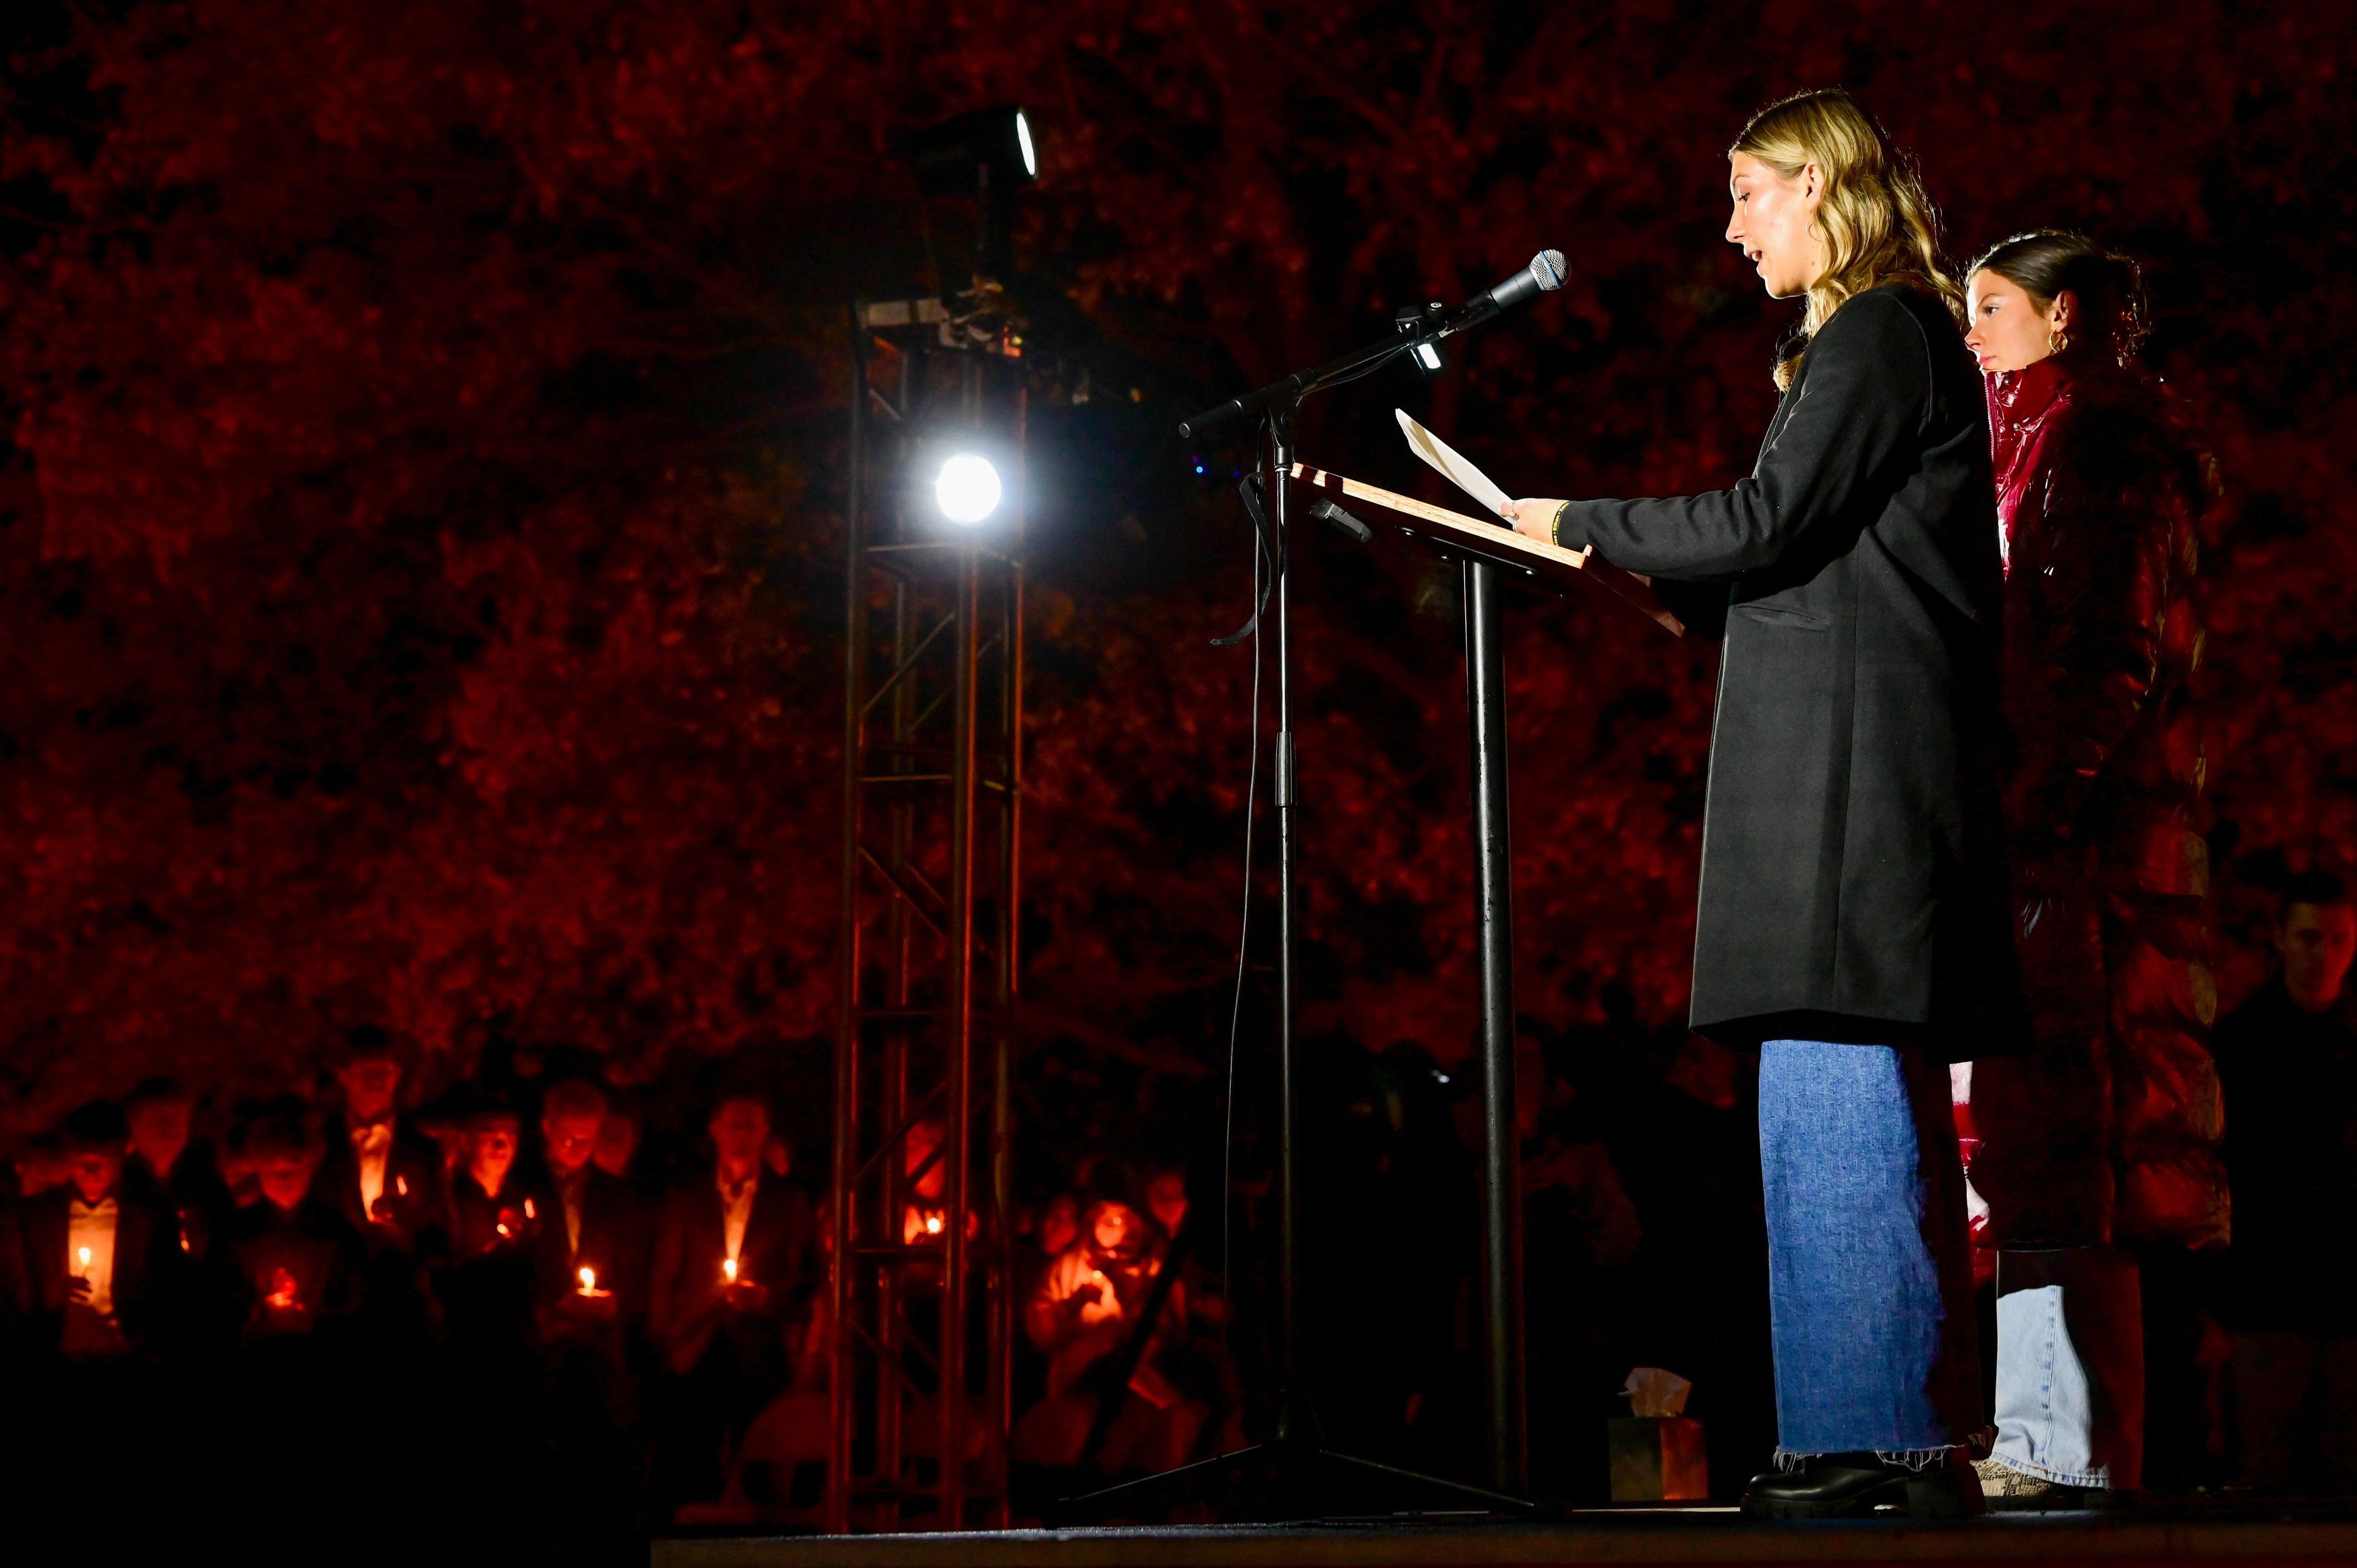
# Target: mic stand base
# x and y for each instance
(1295, 1477)
(1285, 1481)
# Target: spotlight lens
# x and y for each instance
(968, 489)
(1023, 140)
(1430, 355)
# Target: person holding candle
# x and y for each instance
(590, 1262)
(99, 1258)
(732, 1269)
(301, 1264)
(589, 1218)
(487, 1284)
(381, 1173)
(301, 1273)
(1081, 1313)
(170, 1168)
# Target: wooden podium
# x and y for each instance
(1460, 533)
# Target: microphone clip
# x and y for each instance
(1427, 324)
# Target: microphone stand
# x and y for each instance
(1294, 1474)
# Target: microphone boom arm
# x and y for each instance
(1545, 272)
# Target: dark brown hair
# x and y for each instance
(2109, 287)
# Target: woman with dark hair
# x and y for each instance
(1851, 919)
(2103, 1137)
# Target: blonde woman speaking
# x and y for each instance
(1852, 916)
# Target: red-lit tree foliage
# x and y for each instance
(418, 518)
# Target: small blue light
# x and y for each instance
(1198, 467)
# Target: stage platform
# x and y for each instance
(2246, 1537)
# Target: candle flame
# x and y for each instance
(84, 1255)
(728, 1268)
(401, 1185)
(528, 1213)
(588, 1281)
(932, 1224)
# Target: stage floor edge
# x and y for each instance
(1723, 1539)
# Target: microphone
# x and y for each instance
(1544, 275)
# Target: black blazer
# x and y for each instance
(1852, 864)
(313, 1247)
(146, 1254)
(684, 1305)
(615, 1241)
(414, 1161)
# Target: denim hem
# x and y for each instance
(2101, 1483)
(1909, 1458)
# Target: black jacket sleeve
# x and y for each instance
(1858, 411)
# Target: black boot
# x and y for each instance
(1846, 1485)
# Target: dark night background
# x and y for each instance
(419, 511)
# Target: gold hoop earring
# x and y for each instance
(2057, 341)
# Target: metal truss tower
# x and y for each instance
(921, 1308)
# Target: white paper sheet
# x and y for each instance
(1453, 468)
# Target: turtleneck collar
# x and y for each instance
(2017, 398)
(2021, 407)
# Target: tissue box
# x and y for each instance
(1659, 1459)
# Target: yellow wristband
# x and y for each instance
(1555, 528)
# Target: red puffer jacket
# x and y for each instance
(2107, 1128)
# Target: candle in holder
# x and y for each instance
(728, 1270)
(590, 1284)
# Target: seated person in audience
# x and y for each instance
(2287, 1066)
(300, 1263)
(97, 1259)
(733, 1254)
(590, 1220)
(1080, 1316)
(383, 1177)
(169, 1168)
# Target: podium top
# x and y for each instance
(1494, 542)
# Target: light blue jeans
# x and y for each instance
(1869, 1293)
(2069, 1366)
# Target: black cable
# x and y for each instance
(1236, 1008)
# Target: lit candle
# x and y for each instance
(401, 1185)
(588, 1282)
(727, 1267)
(528, 1212)
(932, 1224)
(84, 1254)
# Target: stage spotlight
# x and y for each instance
(967, 490)
(999, 139)
(1427, 355)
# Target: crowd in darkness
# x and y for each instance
(509, 1304)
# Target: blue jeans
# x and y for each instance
(2069, 1366)
(1869, 1281)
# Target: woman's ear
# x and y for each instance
(1813, 185)
(2063, 311)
